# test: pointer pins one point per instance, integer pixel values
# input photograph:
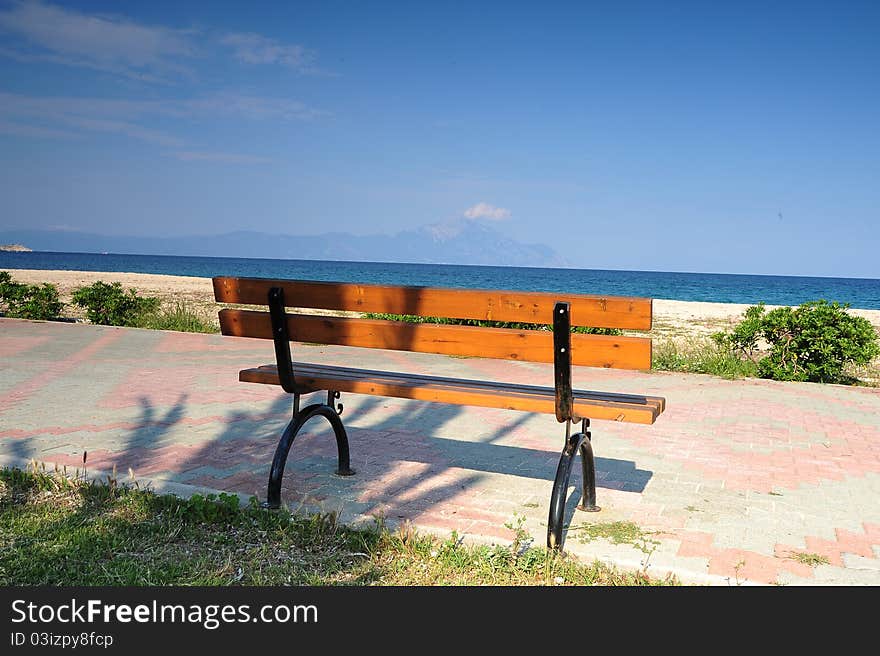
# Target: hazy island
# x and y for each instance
(15, 248)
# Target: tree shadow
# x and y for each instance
(407, 470)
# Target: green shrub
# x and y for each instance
(410, 318)
(10, 290)
(109, 305)
(180, 317)
(815, 341)
(29, 301)
(6, 284)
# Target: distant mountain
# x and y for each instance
(461, 241)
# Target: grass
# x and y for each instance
(867, 375)
(181, 317)
(615, 532)
(701, 356)
(59, 530)
(809, 559)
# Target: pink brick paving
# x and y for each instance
(138, 425)
(853, 451)
(44, 376)
(207, 384)
(732, 482)
(845, 542)
(187, 343)
(763, 568)
(10, 345)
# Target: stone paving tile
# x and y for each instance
(734, 478)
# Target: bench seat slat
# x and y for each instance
(502, 385)
(493, 305)
(607, 351)
(596, 405)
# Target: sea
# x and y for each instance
(863, 293)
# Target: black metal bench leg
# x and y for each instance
(588, 464)
(300, 417)
(573, 444)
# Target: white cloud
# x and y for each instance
(27, 57)
(21, 130)
(67, 117)
(486, 211)
(125, 128)
(37, 31)
(252, 108)
(45, 115)
(63, 227)
(221, 158)
(109, 43)
(255, 108)
(257, 49)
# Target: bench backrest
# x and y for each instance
(614, 351)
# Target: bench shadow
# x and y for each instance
(507, 459)
(237, 459)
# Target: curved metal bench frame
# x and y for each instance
(300, 417)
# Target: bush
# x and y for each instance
(6, 283)
(109, 305)
(814, 342)
(29, 301)
(409, 318)
(10, 291)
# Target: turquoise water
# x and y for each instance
(717, 287)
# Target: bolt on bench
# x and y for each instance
(561, 347)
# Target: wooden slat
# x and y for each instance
(493, 394)
(526, 307)
(526, 345)
(342, 372)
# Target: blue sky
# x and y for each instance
(729, 137)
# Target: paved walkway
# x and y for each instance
(737, 483)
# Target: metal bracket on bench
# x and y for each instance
(300, 417)
(562, 361)
(573, 444)
(282, 340)
(331, 400)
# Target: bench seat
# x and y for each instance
(491, 394)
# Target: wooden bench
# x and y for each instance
(559, 346)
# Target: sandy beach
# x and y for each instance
(671, 318)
